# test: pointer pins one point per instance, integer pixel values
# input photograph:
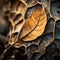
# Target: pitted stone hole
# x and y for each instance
(58, 11)
(31, 10)
(32, 48)
(57, 30)
(51, 20)
(35, 56)
(58, 24)
(14, 1)
(56, 57)
(44, 1)
(50, 49)
(50, 26)
(47, 37)
(43, 57)
(17, 17)
(31, 1)
(41, 0)
(21, 57)
(55, 8)
(12, 15)
(19, 5)
(14, 34)
(22, 50)
(57, 42)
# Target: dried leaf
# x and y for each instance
(34, 25)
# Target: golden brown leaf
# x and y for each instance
(34, 25)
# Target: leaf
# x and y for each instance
(34, 25)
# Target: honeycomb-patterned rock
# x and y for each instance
(46, 46)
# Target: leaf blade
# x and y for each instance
(40, 19)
